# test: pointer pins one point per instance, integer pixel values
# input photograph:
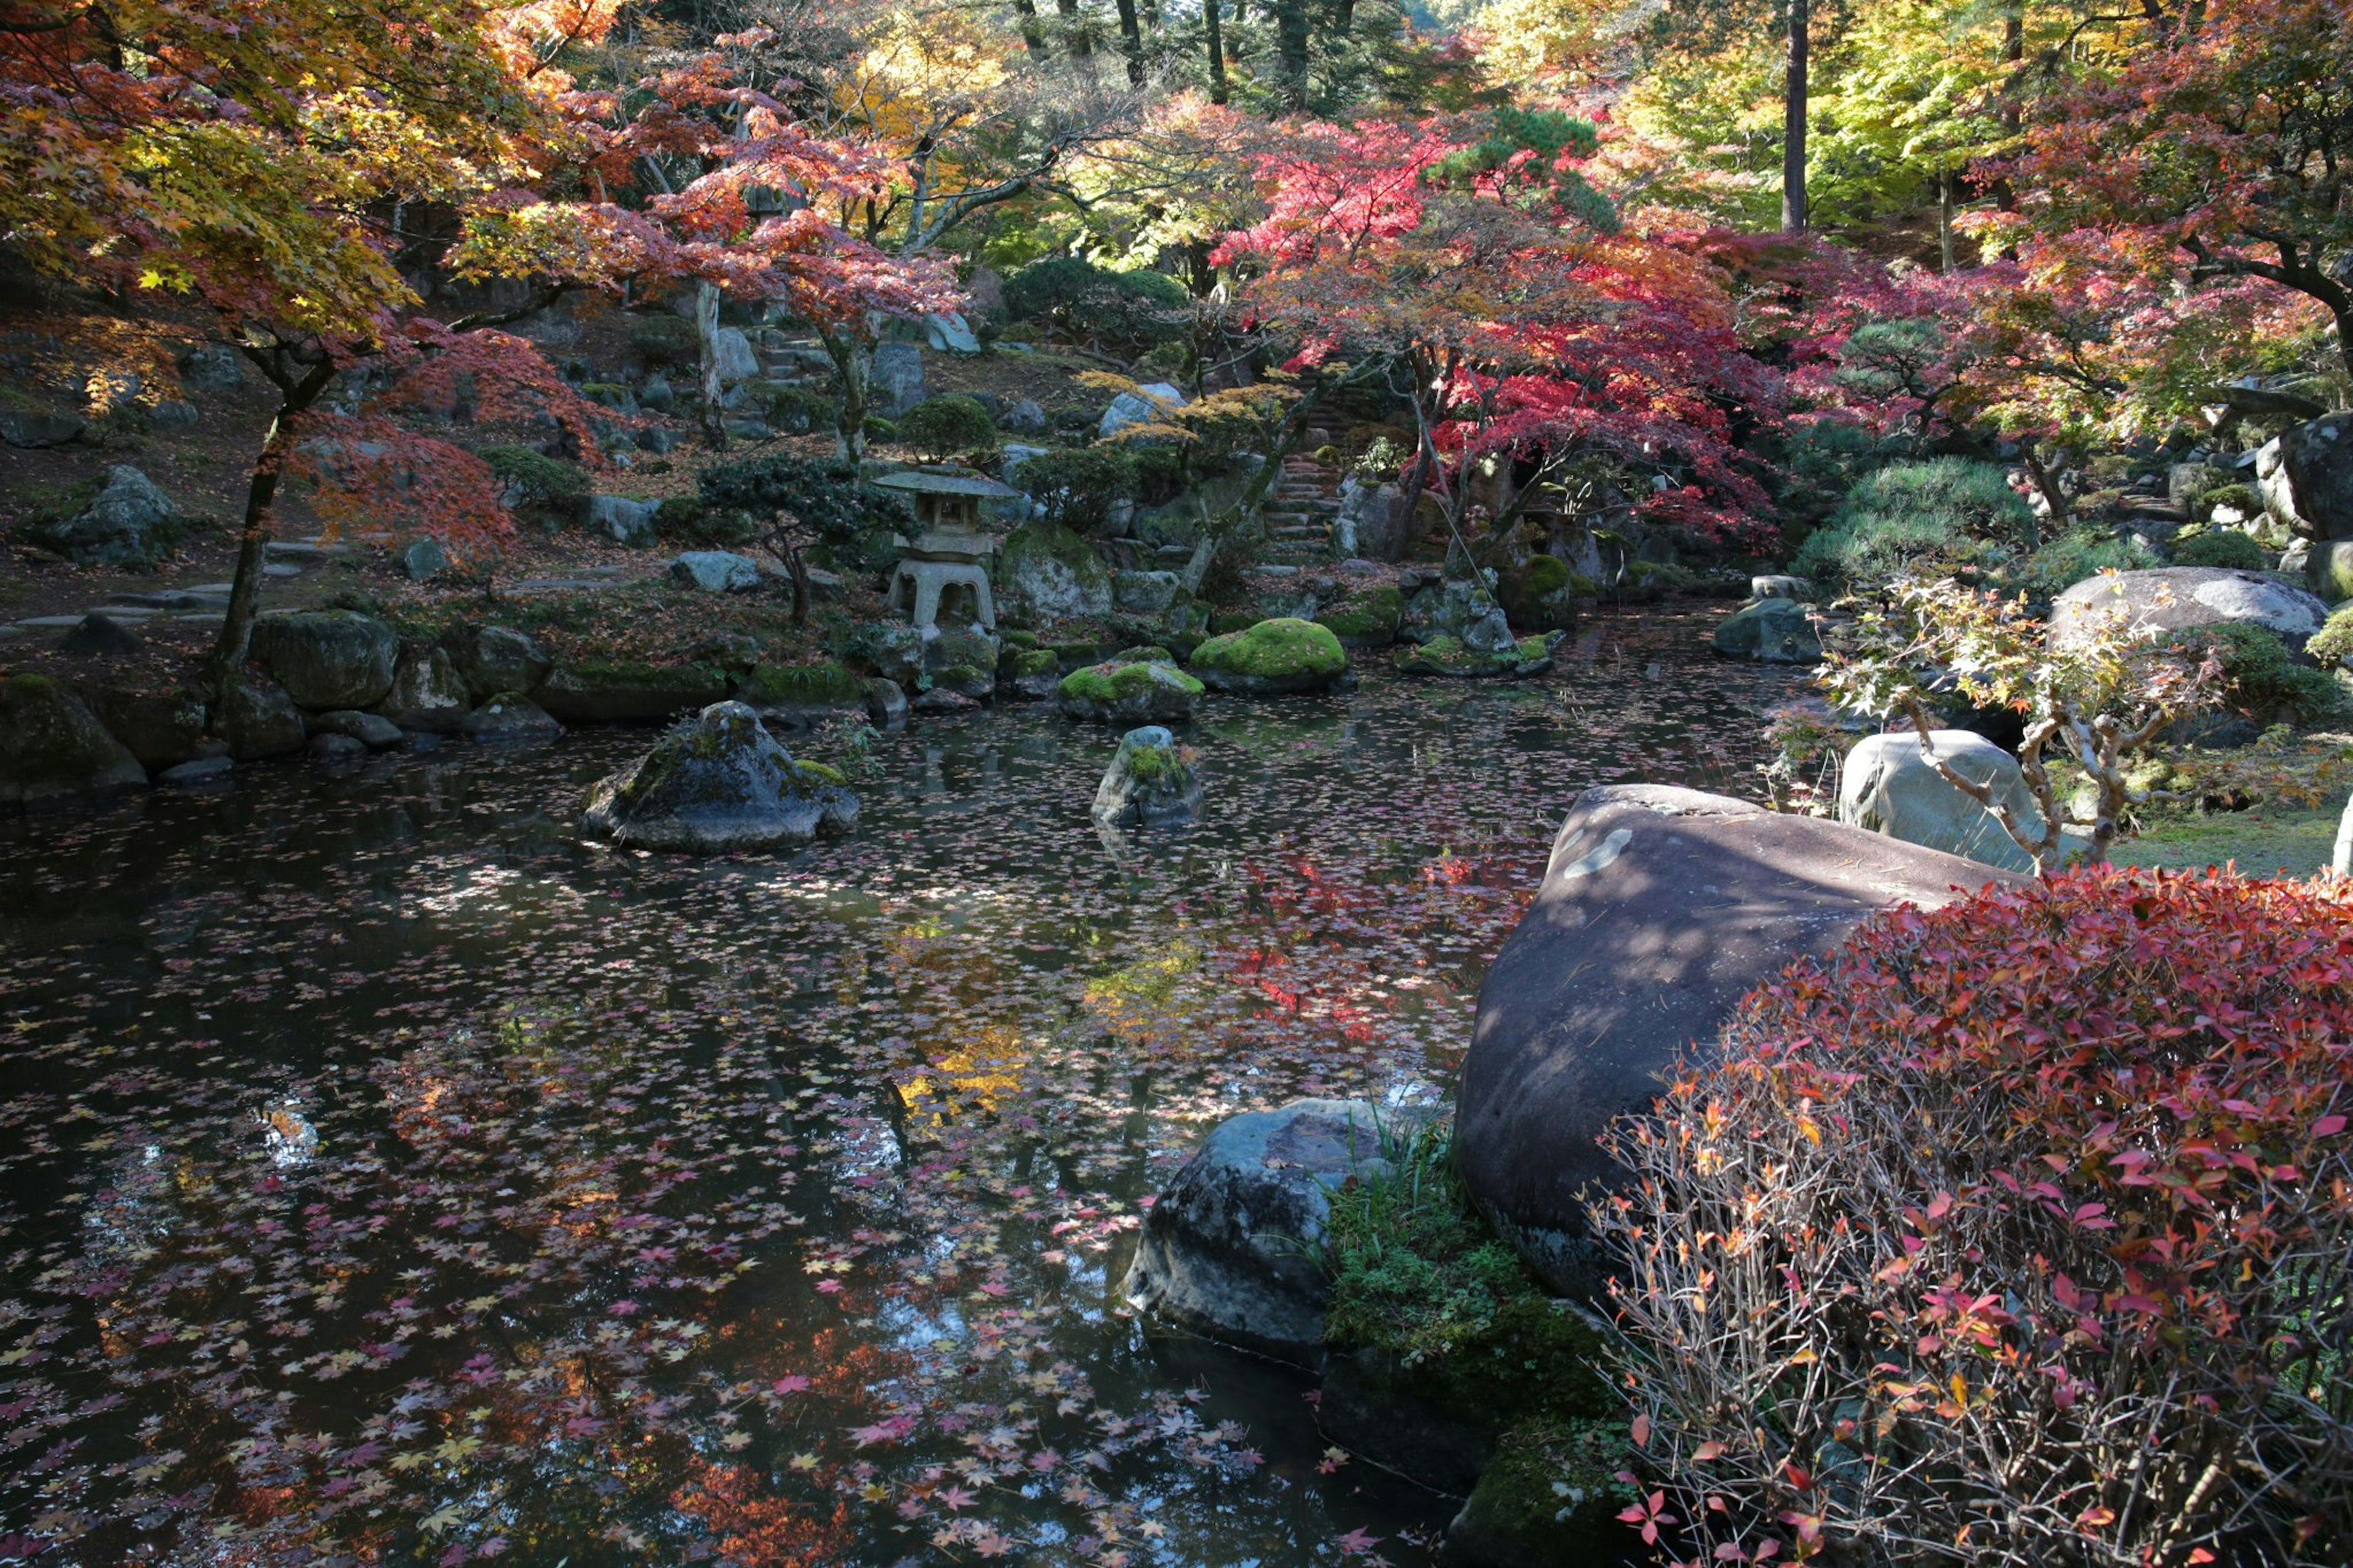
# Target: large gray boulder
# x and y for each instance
(1770, 631)
(329, 658)
(601, 692)
(259, 721)
(1887, 786)
(1129, 408)
(125, 522)
(161, 729)
(1141, 692)
(717, 783)
(896, 383)
(37, 428)
(620, 518)
(737, 359)
(1149, 784)
(52, 744)
(2306, 476)
(492, 659)
(1371, 525)
(2158, 603)
(1229, 1250)
(1659, 910)
(508, 717)
(715, 571)
(1058, 573)
(427, 693)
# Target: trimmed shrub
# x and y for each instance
(2332, 645)
(688, 521)
(1907, 516)
(1138, 310)
(851, 520)
(2021, 1225)
(2264, 679)
(665, 340)
(951, 425)
(542, 481)
(2075, 555)
(2221, 547)
(1078, 486)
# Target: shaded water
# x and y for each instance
(391, 1177)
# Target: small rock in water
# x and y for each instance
(200, 771)
(328, 747)
(1150, 782)
(370, 729)
(718, 782)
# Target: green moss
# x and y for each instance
(818, 772)
(1109, 683)
(1374, 619)
(1072, 654)
(802, 685)
(957, 676)
(665, 339)
(1154, 765)
(31, 683)
(2221, 547)
(1146, 654)
(2332, 645)
(1016, 638)
(1225, 621)
(1285, 649)
(1022, 663)
(1549, 1497)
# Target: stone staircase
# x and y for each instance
(1300, 513)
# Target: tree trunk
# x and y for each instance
(1793, 123)
(1291, 38)
(1076, 37)
(852, 364)
(1131, 41)
(1944, 217)
(2048, 483)
(1033, 36)
(1218, 90)
(706, 327)
(261, 489)
(2013, 55)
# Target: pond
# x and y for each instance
(391, 1177)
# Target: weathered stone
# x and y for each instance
(1025, 416)
(886, 703)
(1058, 573)
(52, 744)
(428, 693)
(1370, 621)
(2156, 603)
(716, 782)
(36, 429)
(896, 383)
(196, 771)
(422, 559)
(1153, 692)
(715, 571)
(161, 729)
(737, 361)
(2327, 567)
(601, 692)
(374, 731)
(620, 518)
(100, 636)
(1445, 657)
(1145, 593)
(1887, 786)
(1139, 408)
(1659, 910)
(1151, 782)
(950, 334)
(1770, 631)
(2306, 475)
(173, 413)
(127, 522)
(212, 369)
(259, 721)
(1275, 657)
(1229, 1250)
(492, 660)
(330, 747)
(508, 717)
(329, 658)
(1371, 522)
(1447, 608)
(1780, 585)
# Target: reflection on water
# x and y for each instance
(390, 1177)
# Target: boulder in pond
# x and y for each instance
(1770, 631)
(1659, 910)
(886, 703)
(1369, 620)
(1152, 692)
(1450, 656)
(2155, 604)
(329, 658)
(719, 782)
(1230, 1250)
(509, 717)
(608, 691)
(258, 720)
(1273, 658)
(492, 659)
(1151, 782)
(161, 729)
(801, 696)
(121, 520)
(1055, 571)
(52, 744)
(427, 692)
(374, 731)
(1887, 786)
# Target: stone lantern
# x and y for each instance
(948, 548)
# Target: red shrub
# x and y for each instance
(2021, 1232)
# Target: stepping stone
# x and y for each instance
(218, 590)
(46, 623)
(280, 569)
(121, 612)
(303, 549)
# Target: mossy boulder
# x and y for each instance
(1151, 782)
(1143, 653)
(1549, 1498)
(718, 782)
(161, 729)
(1055, 571)
(427, 692)
(1540, 595)
(1273, 658)
(1771, 631)
(258, 720)
(802, 695)
(1154, 691)
(1370, 620)
(496, 659)
(52, 744)
(121, 520)
(603, 691)
(329, 658)
(1453, 658)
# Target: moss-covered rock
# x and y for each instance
(1056, 572)
(717, 783)
(1369, 621)
(617, 691)
(1450, 656)
(329, 658)
(52, 744)
(1073, 655)
(1143, 653)
(162, 729)
(1273, 658)
(258, 720)
(966, 681)
(427, 693)
(1154, 691)
(1540, 595)
(802, 694)
(1151, 782)
(1548, 1499)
